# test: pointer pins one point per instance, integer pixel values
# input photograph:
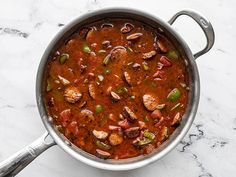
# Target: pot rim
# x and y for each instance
(67, 146)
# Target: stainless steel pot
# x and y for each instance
(18, 161)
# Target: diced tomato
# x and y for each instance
(65, 117)
(160, 74)
(149, 148)
(71, 128)
(159, 122)
(156, 114)
(165, 61)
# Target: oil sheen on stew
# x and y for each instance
(116, 89)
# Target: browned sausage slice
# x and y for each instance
(176, 119)
(91, 89)
(103, 154)
(127, 113)
(150, 102)
(85, 113)
(134, 36)
(127, 28)
(115, 96)
(149, 55)
(127, 77)
(100, 134)
(72, 94)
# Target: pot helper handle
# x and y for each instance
(203, 23)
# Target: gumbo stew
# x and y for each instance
(116, 88)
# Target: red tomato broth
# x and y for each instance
(79, 129)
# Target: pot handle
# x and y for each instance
(203, 23)
(14, 164)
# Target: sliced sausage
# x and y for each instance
(127, 28)
(100, 134)
(115, 96)
(87, 114)
(63, 80)
(160, 44)
(162, 47)
(127, 77)
(134, 36)
(176, 119)
(91, 89)
(103, 154)
(149, 55)
(107, 25)
(72, 94)
(127, 113)
(118, 52)
(90, 33)
(150, 102)
(136, 66)
(106, 44)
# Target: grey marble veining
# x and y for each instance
(208, 150)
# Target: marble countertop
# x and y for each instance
(208, 150)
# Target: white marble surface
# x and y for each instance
(208, 150)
